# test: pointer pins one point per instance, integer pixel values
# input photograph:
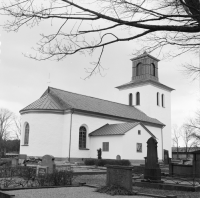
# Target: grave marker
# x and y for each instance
(119, 176)
(118, 157)
(152, 170)
(166, 156)
(48, 160)
(42, 170)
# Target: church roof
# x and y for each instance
(143, 82)
(59, 100)
(117, 129)
(145, 54)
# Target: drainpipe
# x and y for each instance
(72, 111)
(162, 143)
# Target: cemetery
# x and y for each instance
(121, 177)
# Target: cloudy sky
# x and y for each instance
(23, 80)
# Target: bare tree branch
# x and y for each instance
(158, 23)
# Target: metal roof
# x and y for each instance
(117, 129)
(63, 100)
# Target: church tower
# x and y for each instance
(146, 93)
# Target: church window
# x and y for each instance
(139, 147)
(139, 132)
(153, 69)
(158, 99)
(130, 99)
(138, 98)
(105, 146)
(26, 134)
(163, 100)
(139, 69)
(82, 137)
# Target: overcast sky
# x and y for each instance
(23, 80)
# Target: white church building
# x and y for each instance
(72, 126)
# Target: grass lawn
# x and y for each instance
(100, 180)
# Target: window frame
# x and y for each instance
(82, 137)
(138, 98)
(139, 147)
(105, 146)
(163, 100)
(158, 99)
(153, 69)
(139, 69)
(130, 99)
(26, 134)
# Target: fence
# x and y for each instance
(20, 176)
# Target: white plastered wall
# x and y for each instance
(50, 134)
(91, 123)
(148, 104)
(45, 134)
(124, 145)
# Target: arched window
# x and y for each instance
(130, 99)
(138, 98)
(26, 134)
(163, 100)
(158, 99)
(82, 137)
(153, 69)
(139, 69)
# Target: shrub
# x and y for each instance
(57, 178)
(103, 162)
(114, 190)
(89, 162)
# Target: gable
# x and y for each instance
(118, 129)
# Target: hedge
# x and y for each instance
(103, 162)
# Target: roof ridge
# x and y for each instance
(100, 99)
(60, 100)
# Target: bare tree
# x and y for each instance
(85, 26)
(195, 125)
(176, 135)
(6, 122)
(188, 138)
(17, 127)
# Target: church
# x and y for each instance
(71, 126)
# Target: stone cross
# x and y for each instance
(152, 170)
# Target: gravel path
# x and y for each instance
(68, 192)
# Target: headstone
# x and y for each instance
(22, 158)
(48, 160)
(152, 170)
(42, 170)
(166, 156)
(119, 176)
(15, 161)
(118, 157)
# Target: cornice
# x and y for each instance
(89, 113)
(142, 83)
(52, 111)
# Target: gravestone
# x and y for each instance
(152, 170)
(42, 170)
(118, 157)
(166, 156)
(22, 158)
(48, 160)
(15, 161)
(119, 176)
